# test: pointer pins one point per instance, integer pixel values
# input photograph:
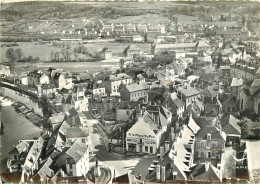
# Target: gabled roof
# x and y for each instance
(19, 148)
(76, 132)
(205, 172)
(229, 124)
(215, 133)
(128, 104)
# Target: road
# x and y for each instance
(114, 161)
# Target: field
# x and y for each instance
(91, 67)
(146, 18)
(43, 51)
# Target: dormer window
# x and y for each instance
(208, 136)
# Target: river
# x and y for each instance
(15, 126)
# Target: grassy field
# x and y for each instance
(43, 51)
(146, 18)
(91, 67)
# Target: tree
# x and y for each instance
(66, 55)
(30, 59)
(19, 53)
(11, 55)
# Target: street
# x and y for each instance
(112, 160)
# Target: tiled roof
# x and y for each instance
(137, 87)
(215, 134)
(76, 132)
(128, 105)
(229, 124)
(120, 76)
(188, 91)
(200, 173)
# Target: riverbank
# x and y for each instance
(15, 127)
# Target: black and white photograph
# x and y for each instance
(130, 91)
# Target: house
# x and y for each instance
(61, 81)
(145, 135)
(107, 28)
(236, 86)
(212, 110)
(133, 50)
(119, 28)
(109, 104)
(175, 105)
(125, 110)
(135, 92)
(96, 89)
(48, 88)
(54, 121)
(74, 159)
(209, 144)
(188, 94)
(187, 47)
(76, 135)
(157, 28)
(182, 150)
(37, 78)
(130, 28)
(205, 172)
(141, 28)
(137, 38)
(140, 78)
(193, 109)
(210, 94)
(230, 126)
(17, 156)
(250, 98)
(228, 103)
(113, 82)
(245, 72)
(31, 161)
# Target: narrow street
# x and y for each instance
(112, 160)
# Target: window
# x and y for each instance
(146, 148)
(83, 140)
(70, 166)
(151, 149)
(202, 154)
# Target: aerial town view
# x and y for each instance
(129, 92)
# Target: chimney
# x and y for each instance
(206, 167)
(163, 174)
(161, 151)
(158, 156)
(158, 172)
(220, 129)
(166, 146)
(150, 170)
(155, 162)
